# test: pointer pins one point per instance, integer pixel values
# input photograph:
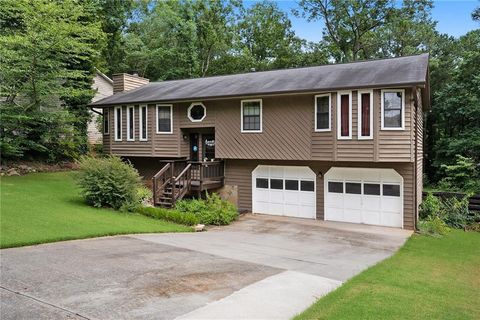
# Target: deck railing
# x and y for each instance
(182, 183)
(160, 180)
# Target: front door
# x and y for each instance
(194, 146)
(208, 146)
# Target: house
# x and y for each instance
(335, 142)
(103, 86)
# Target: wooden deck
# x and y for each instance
(181, 177)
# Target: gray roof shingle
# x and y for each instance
(402, 71)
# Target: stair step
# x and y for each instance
(166, 198)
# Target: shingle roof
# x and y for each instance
(403, 71)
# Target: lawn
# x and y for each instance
(46, 207)
(429, 278)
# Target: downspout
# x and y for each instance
(415, 171)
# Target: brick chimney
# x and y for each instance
(125, 82)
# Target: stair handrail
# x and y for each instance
(183, 179)
(158, 188)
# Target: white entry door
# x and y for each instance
(364, 195)
(284, 191)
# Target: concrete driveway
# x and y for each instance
(260, 267)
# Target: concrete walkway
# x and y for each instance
(260, 267)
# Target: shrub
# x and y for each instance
(456, 213)
(463, 176)
(171, 215)
(431, 206)
(213, 210)
(109, 182)
(433, 226)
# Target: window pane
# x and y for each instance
(335, 187)
(307, 185)
(276, 184)
(291, 184)
(392, 109)
(118, 133)
(262, 183)
(106, 115)
(365, 130)
(130, 123)
(372, 189)
(164, 115)
(143, 119)
(345, 115)
(197, 112)
(251, 115)
(392, 190)
(353, 188)
(323, 112)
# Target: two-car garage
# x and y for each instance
(356, 195)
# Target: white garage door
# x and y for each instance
(284, 191)
(361, 195)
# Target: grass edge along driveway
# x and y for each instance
(428, 278)
(46, 207)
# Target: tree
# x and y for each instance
(46, 50)
(266, 33)
(350, 25)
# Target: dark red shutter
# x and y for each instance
(345, 116)
(365, 114)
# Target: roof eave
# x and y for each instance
(256, 94)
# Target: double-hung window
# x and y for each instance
(106, 121)
(118, 123)
(164, 118)
(142, 120)
(344, 115)
(130, 123)
(323, 104)
(251, 114)
(393, 109)
(365, 114)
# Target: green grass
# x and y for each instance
(429, 278)
(46, 207)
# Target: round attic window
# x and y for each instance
(197, 112)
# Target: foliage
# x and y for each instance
(431, 206)
(433, 226)
(452, 211)
(463, 176)
(185, 218)
(47, 49)
(213, 210)
(109, 182)
(47, 207)
(443, 271)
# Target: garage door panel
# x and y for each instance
(283, 195)
(371, 196)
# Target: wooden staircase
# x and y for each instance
(180, 177)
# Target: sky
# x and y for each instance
(453, 17)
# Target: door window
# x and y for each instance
(335, 187)
(276, 184)
(291, 185)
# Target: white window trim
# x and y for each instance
(261, 116)
(106, 113)
(359, 115)
(130, 130)
(116, 123)
(402, 91)
(171, 118)
(339, 131)
(141, 124)
(329, 95)
(190, 108)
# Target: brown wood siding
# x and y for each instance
(125, 82)
(287, 127)
(419, 147)
(288, 133)
(239, 173)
